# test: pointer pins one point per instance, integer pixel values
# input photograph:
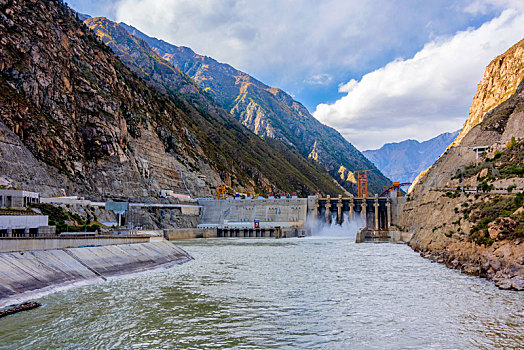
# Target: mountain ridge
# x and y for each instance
(403, 161)
(270, 112)
(73, 116)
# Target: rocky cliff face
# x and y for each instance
(467, 211)
(262, 158)
(403, 161)
(73, 116)
(500, 81)
(270, 112)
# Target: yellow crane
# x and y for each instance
(221, 193)
(362, 182)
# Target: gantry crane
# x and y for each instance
(362, 182)
(395, 187)
(221, 193)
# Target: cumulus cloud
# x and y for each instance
(425, 95)
(284, 42)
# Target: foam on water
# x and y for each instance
(348, 228)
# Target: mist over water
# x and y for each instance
(320, 228)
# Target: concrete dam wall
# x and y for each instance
(281, 212)
(24, 275)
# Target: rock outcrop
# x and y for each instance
(270, 112)
(500, 81)
(467, 210)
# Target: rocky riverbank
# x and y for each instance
(497, 264)
(467, 209)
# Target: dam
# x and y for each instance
(293, 217)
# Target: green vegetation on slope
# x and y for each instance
(66, 221)
(220, 133)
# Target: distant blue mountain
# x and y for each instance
(403, 161)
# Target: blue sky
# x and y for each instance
(332, 55)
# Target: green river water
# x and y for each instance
(319, 292)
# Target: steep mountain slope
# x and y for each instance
(500, 81)
(270, 112)
(300, 174)
(87, 123)
(480, 230)
(403, 161)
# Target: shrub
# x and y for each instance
(450, 194)
(94, 227)
(519, 200)
(513, 170)
(484, 187)
(511, 143)
(511, 188)
(506, 213)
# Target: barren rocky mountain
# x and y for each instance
(270, 112)
(403, 161)
(74, 116)
(467, 209)
(500, 81)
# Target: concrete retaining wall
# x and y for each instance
(400, 236)
(187, 233)
(391, 236)
(46, 243)
(24, 275)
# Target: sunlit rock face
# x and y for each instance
(480, 232)
(500, 81)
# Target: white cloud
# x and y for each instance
(425, 95)
(283, 42)
(319, 79)
(485, 6)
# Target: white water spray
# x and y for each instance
(320, 228)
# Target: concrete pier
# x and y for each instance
(340, 216)
(388, 213)
(376, 205)
(363, 214)
(351, 214)
(327, 213)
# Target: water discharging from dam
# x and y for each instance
(279, 293)
(348, 228)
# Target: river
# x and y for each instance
(317, 292)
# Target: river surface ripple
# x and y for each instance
(289, 293)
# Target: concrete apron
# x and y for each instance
(33, 274)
